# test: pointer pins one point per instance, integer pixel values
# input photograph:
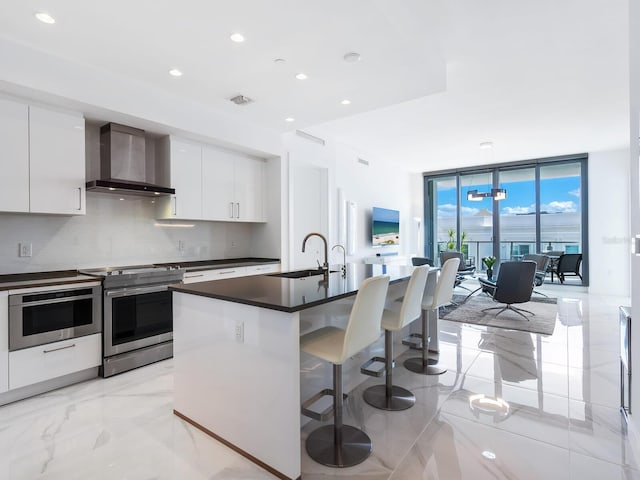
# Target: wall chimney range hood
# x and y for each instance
(123, 168)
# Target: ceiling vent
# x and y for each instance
(241, 100)
(310, 137)
(363, 161)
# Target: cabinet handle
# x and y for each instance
(231, 210)
(238, 216)
(58, 349)
(175, 206)
(194, 276)
(226, 273)
(79, 198)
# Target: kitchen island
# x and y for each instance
(237, 356)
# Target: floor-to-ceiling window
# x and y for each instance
(545, 210)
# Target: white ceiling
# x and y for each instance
(536, 78)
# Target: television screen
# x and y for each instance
(385, 229)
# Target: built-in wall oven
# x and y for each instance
(49, 315)
(138, 316)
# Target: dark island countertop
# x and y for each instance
(14, 281)
(292, 294)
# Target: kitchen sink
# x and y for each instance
(299, 273)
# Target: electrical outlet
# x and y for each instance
(234, 244)
(25, 249)
(181, 245)
(239, 331)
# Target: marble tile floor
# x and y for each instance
(557, 416)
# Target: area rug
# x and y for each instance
(543, 322)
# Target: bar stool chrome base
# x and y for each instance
(400, 398)
(354, 447)
(417, 365)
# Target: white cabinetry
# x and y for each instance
(43, 160)
(233, 187)
(44, 362)
(185, 165)
(14, 161)
(4, 342)
(215, 274)
(262, 269)
(211, 184)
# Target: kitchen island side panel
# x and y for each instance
(246, 391)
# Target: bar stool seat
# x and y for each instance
(389, 396)
(442, 296)
(341, 445)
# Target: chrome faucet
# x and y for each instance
(325, 265)
(344, 259)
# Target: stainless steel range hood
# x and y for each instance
(123, 167)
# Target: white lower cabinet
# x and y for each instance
(4, 342)
(44, 362)
(216, 274)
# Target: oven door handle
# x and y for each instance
(126, 292)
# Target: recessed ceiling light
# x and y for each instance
(486, 145)
(289, 119)
(489, 455)
(122, 199)
(346, 102)
(45, 17)
(351, 57)
(237, 37)
(301, 76)
(174, 72)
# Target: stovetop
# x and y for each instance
(135, 275)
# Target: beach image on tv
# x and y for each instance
(385, 227)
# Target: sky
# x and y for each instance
(557, 195)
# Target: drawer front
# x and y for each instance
(44, 362)
(263, 269)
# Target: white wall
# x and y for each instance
(609, 270)
(114, 232)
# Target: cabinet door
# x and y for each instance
(57, 162)
(249, 179)
(263, 269)
(218, 202)
(186, 178)
(14, 161)
(4, 342)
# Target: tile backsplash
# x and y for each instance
(114, 232)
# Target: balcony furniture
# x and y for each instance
(442, 296)
(389, 396)
(514, 285)
(417, 261)
(339, 445)
(542, 264)
(568, 265)
(464, 270)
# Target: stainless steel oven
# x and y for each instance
(40, 317)
(138, 315)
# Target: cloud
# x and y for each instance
(575, 193)
(559, 207)
(518, 210)
(450, 210)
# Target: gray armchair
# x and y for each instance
(514, 285)
(464, 270)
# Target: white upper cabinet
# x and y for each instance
(232, 187)
(185, 166)
(211, 184)
(57, 162)
(42, 161)
(14, 161)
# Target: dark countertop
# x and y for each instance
(224, 263)
(15, 281)
(289, 294)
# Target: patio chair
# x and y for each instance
(417, 261)
(568, 265)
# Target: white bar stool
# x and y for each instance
(341, 445)
(389, 396)
(442, 296)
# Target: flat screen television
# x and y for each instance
(385, 228)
